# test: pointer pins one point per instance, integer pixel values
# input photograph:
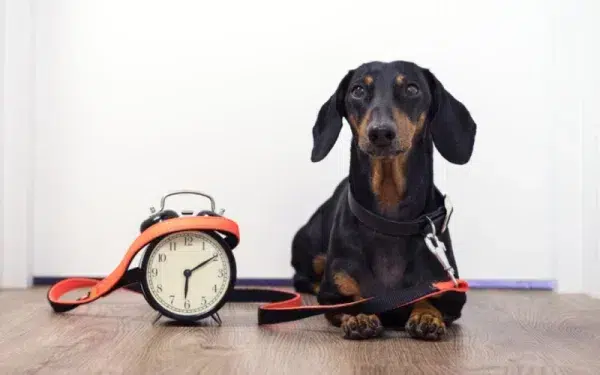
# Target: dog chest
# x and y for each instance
(389, 262)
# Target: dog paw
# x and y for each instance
(426, 325)
(361, 326)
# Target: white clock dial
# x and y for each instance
(192, 258)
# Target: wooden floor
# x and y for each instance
(502, 332)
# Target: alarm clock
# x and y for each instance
(187, 275)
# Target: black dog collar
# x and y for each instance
(419, 226)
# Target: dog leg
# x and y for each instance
(425, 322)
(318, 266)
(357, 327)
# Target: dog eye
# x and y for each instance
(412, 89)
(358, 92)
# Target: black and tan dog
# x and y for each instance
(397, 112)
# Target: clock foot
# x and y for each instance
(217, 318)
(157, 318)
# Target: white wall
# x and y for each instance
(17, 144)
(134, 99)
(2, 206)
(576, 157)
(588, 59)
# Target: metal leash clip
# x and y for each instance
(438, 249)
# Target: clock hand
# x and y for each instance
(187, 279)
(187, 273)
(201, 264)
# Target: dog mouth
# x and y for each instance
(375, 151)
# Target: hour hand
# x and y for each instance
(187, 274)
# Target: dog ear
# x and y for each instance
(452, 127)
(329, 121)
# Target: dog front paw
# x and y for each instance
(426, 323)
(361, 326)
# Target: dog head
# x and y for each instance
(389, 107)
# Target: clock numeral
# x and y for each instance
(162, 257)
(172, 297)
(159, 288)
(203, 245)
(215, 288)
(187, 240)
(216, 257)
(154, 271)
(220, 273)
(172, 246)
(186, 304)
(203, 301)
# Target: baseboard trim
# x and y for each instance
(275, 282)
(512, 284)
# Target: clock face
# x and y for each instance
(188, 273)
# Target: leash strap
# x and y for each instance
(122, 275)
(282, 306)
(287, 306)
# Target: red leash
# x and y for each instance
(282, 306)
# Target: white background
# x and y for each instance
(127, 100)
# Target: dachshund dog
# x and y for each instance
(397, 112)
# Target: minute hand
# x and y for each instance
(203, 263)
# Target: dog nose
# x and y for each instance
(382, 135)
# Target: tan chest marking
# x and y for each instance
(388, 181)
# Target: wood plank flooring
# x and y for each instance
(502, 332)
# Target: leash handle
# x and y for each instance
(122, 275)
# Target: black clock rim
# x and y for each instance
(188, 318)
